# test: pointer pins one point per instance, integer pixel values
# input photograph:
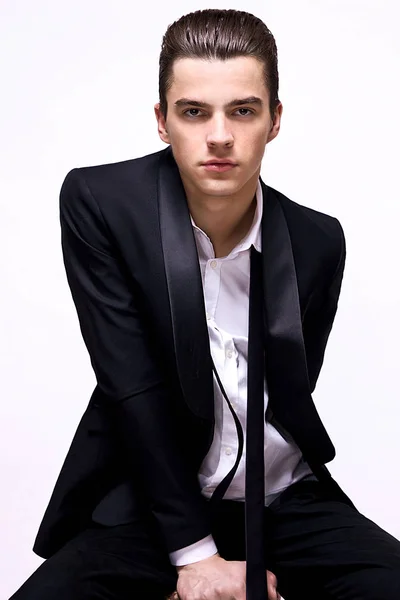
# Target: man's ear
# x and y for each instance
(162, 126)
(276, 123)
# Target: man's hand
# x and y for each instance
(217, 579)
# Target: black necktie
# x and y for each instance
(256, 578)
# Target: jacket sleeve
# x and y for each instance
(320, 313)
(126, 372)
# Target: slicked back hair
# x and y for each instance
(218, 34)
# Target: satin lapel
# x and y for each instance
(185, 291)
(286, 366)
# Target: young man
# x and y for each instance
(161, 255)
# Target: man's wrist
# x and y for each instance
(191, 565)
(200, 550)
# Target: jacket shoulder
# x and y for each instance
(306, 217)
(121, 172)
(123, 165)
(111, 187)
(315, 236)
(97, 202)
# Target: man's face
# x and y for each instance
(218, 110)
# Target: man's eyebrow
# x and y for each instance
(236, 102)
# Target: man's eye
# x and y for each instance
(189, 112)
(247, 111)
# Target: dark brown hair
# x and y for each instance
(218, 34)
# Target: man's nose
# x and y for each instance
(219, 133)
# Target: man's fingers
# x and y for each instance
(272, 583)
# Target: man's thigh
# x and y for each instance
(321, 548)
(113, 563)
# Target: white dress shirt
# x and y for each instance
(226, 286)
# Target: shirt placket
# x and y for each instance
(212, 282)
(225, 359)
(229, 439)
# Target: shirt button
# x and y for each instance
(229, 353)
(228, 451)
(208, 316)
(213, 264)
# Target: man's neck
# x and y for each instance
(225, 220)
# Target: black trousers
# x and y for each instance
(319, 548)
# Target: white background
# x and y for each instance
(79, 80)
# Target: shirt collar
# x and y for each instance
(252, 237)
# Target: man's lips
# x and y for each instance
(220, 161)
(219, 166)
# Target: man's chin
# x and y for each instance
(219, 188)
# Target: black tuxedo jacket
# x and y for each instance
(132, 267)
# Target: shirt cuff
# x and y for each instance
(190, 554)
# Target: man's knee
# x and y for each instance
(371, 583)
(55, 579)
(38, 589)
(388, 584)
